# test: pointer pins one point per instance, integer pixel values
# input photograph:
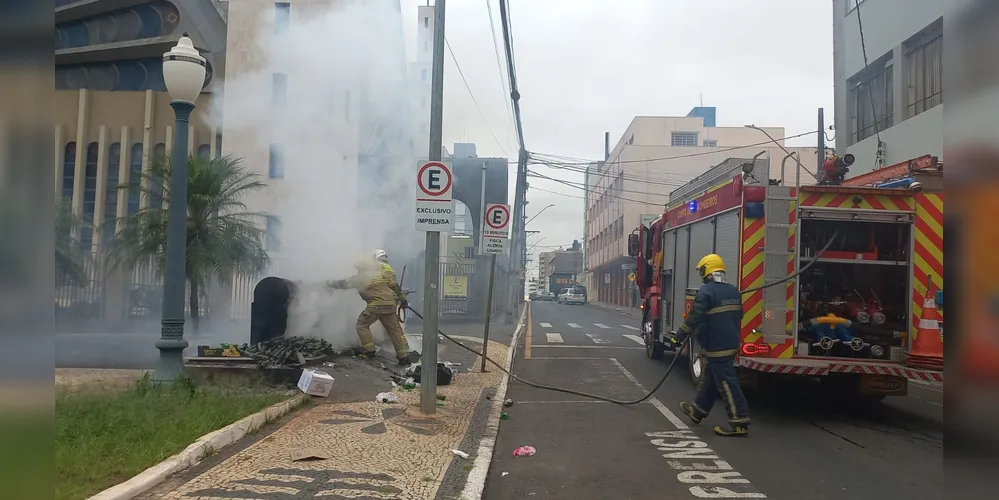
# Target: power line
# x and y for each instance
(582, 186)
(499, 64)
(607, 195)
(474, 101)
(870, 90)
(656, 181)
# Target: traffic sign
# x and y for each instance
(631, 276)
(495, 229)
(434, 206)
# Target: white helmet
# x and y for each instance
(380, 255)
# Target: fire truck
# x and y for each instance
(864, 254)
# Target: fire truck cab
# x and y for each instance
(864, 259)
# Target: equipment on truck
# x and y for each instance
(856, 262)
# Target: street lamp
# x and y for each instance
(184, 76)
(537, 214)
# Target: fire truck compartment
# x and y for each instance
(853, 302)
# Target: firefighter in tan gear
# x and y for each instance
(376, 283)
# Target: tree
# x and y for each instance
(223, 238)
(69, 256)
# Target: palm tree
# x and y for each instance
(223, 238)
(69, 257)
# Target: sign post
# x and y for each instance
(434, 177)
(495, 241)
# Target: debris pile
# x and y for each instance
(288, 352)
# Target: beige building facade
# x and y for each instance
(654, 156)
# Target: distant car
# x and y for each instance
(547, 296)
(574, 296)
(561, 295)
(535, 296)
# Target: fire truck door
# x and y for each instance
(668, 276)
(727, 243)
(702, 236)
(680, 272)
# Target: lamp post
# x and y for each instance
(537, 214)
(184, 76)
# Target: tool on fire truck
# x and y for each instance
(835, 168)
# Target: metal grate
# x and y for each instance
(775, 264)
(775, 296)
(775, 238)
(774, 324)
(778, 209)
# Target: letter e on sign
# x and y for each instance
(434, 182)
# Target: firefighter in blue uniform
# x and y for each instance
(715, 320)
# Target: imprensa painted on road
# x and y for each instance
(699, 466)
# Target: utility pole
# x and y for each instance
(492, 269)
(432, 264)
(821, 153)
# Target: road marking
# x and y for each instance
(528, 335)
(636, 338)
(574, 325)
(596, 339)
(554, 338)
(694, 462)
(546, 325)
(675, 420)
(601, 325)
(631, 327)
(564, 357)
(540, 346)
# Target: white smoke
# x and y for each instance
(348, 97)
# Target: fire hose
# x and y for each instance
(669, 368)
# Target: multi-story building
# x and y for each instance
(566, 263)
(279, 109)
(654, 156)
(889, 101)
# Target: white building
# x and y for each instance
(654, 156)
(902, 80)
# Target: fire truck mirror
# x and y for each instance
(633, 245)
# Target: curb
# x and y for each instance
(208, 444)
(475, 485)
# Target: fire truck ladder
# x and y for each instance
(777, 253)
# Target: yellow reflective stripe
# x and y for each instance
(720, 354)
(685, 328)
(722, 309)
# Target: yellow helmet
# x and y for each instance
(710, 263)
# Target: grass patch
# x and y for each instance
(105, 437)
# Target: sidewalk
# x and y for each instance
(627, 311)
(376, 450)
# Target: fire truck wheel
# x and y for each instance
(653, 348)
(697, 363)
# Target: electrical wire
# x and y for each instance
(870, 89)
(669, 368)
(499, 64)
(474, 101)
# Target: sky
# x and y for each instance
(586, 67)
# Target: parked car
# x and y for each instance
(574, 296)
(547, 296)
(561, 295)
(582, 290)
(534, 296)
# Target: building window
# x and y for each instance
(111, 192)
(924, 69)
(155, 181)
(631, 140)
(89, 196)
(279, 89)
(423, 75)
(272, 238)
(205, 152)
(68, 170)
(282, 17)
(134, 177)
(276, 165)
(426, 21)
(683, 139)
(871, 100)
(711, 143)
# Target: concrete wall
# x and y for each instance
(887, 25)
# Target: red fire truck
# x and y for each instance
(868, 256)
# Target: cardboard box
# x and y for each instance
(227, 351)
(315, 383)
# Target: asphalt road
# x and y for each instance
(802, 445)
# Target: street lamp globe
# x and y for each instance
(184, 71)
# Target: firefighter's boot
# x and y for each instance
(735, 431)
(692, 412)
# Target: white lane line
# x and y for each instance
(675, 420)
(554, 338)
(546, 325)
(596, 339)
(601, 325)
(631, 327)
(565, 357)
(542, 346)
(585, 401)
(574, 325)
(636, 338)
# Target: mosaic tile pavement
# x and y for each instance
(377, 451)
